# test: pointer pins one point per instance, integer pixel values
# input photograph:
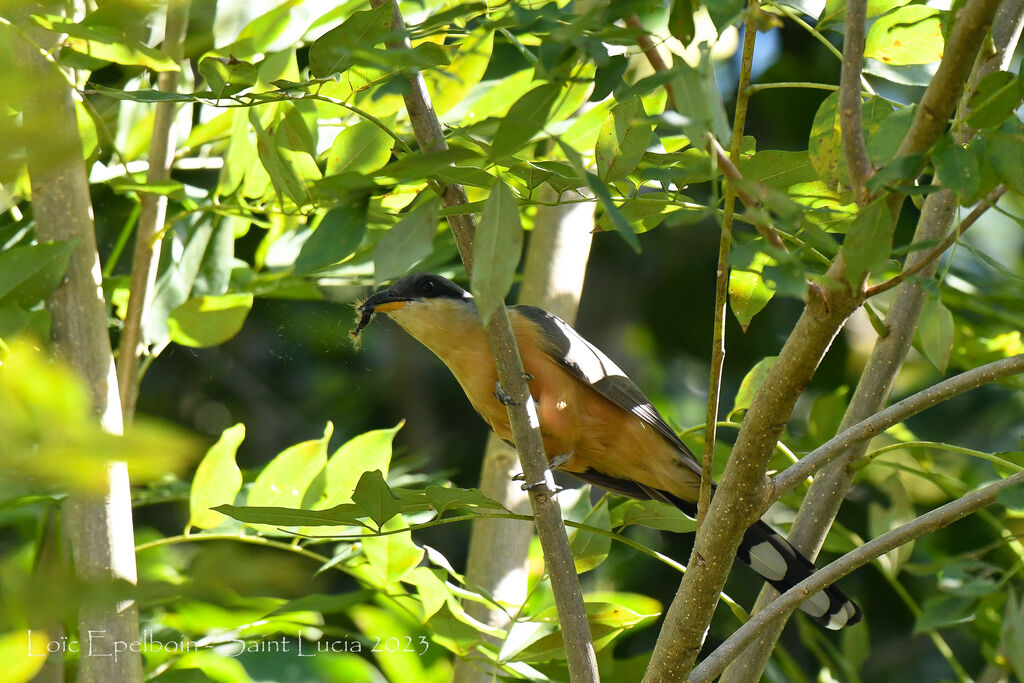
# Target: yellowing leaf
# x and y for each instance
(908, 35)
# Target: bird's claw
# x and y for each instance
(550, 485)
(503, 396)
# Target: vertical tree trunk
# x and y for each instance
(99, 527)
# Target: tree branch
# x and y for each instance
(722, 273)
(822, 502)
(933, 255)
(780, 608)
(743, 486)
(791, 477)
(943, 92)
(857, 162)
(556, 261)
(152, 214)
(99, 527)
(580, 654)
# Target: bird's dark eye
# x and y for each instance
(426, 287)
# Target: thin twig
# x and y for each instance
(647, 46)
(954, 235)
(894, 414)
(732, 174)
(581, 657)
(857, 161)
(152, 214)
(779, 608)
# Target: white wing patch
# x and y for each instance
(588, 359)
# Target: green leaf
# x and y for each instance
(588, 548)
(377, 626)
(336, 237)
(1005, 150)
(373, 495)
(680, 20)
(334, 51)
(363, 453)
(748, 290)
(777, 168)
(525, 119)
(408, 242)
(697, 99)
(1012, 634)
(824, 145)
(942, 611)
(29, 273)
(346, 514)
(907, 35)
(623, 140)
(443, 498)
(362, 148)
(449, 86)
(751, 383)
(995, 99)
(24, 654)
(934, 335)
(496, 250)
(431, 588)
(285, 481)
(868, 241)
(226, 75)
(835, 11)
(107, 43)
(600, 191)
(884, 141)
(394, 555)
(217, 480)
(287, 182)
(209, 320)
(650, 513)
(959, 169)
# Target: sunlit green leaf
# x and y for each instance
(287, 479)
(361, 148)
(907, 35)
(334, 51)
(393, 555)
(748, 290)
(524, 119)
(209, 320)
(496, 250)
(751, 383)
(623, 140)
(407, 242)
(29, 273)
(217, 480)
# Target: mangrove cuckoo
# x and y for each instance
(596, 423)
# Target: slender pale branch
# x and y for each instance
(931, 521)
(580, 654)
(854, 148)
(943, 92)
(894, 414)
(152, 214)
(727, 164)
(951, 239)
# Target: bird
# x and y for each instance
(596, 423)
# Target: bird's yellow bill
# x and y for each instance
(388, 306)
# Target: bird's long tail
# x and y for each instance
(783, 566)
(780, 564)
(762, 548)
